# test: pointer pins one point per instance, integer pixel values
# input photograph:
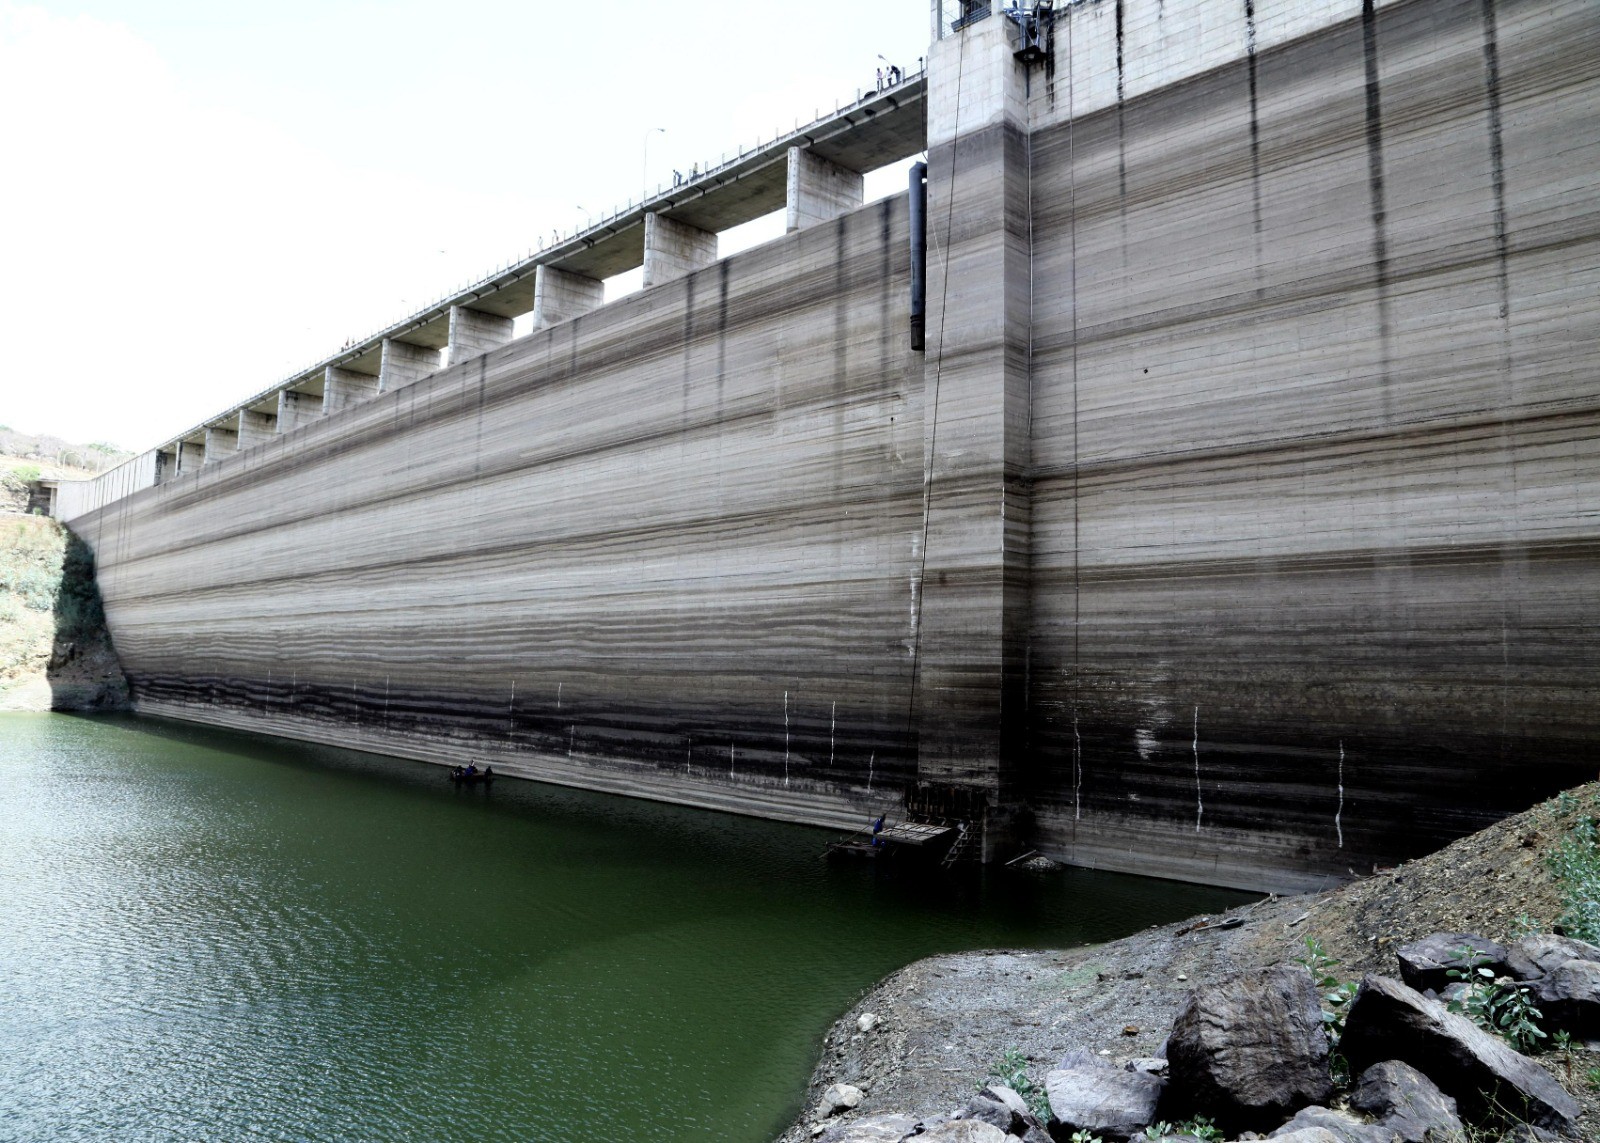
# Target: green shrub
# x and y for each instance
(1011, 1069)
(1496, 1004)
(1575, 864)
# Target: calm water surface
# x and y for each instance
(209, 936)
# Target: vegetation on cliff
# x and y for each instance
(55, 652)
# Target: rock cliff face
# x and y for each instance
(55, 652)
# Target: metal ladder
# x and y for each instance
(958, 847)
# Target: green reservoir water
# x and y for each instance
(210, 936)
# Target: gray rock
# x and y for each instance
(962, 1131)
(1089, 1094)
(867, 1021)
(1538, 955)
(1152, 1064)
(1569, 998)
(1308, 1135)
(1003, 1107)
(1527, 1133)
(1408, 1104)
(874, 1129)
(1389, 1021)
(1249, 1050)
(1342, 1127)
(1000, 1093)
(1427, 963)
(985, 1109)
(840, 1097)
(1024, 1124)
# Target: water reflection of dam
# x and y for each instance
(1236, 522)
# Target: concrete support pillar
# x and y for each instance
(166, 465)
(296, 409)
(220, 444)
(256, 428)
(403, 363)
(673, 249)
(558, 296)
(473, 332)
(820, 190)
(191, 455)
(342, 388)
(972, 685)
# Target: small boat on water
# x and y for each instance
(471, 775)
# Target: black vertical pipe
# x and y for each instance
(918, 194)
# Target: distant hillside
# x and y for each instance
(28, 456)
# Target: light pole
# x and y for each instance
(644, 175)
(589, 216)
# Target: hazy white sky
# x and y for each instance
(200, 198)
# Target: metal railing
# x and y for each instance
(953, 15)
(521, 266)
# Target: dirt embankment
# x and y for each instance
(948, 1019)
(55, 652)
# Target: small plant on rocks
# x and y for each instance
(1496, 1004)
(1336, 994)
(1084, 1137)
(1200, 1127)
(1011, 1069)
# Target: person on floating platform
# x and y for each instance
(877, 828)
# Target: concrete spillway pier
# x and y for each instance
(1235, 523)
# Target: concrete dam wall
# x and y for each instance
(1237, 522)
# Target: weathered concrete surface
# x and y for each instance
(1314, 410)
(665, 548)
(343, 388)
(819, 190)
(673, 249)
(559, 296)
(1262, 426)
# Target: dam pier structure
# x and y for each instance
(1192, 474)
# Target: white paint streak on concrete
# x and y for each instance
(1338, 815)
(1199, 802)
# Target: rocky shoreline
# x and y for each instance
(938, 1027)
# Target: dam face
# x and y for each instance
(1236, 523)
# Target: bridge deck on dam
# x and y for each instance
(815, 171)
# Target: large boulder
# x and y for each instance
(1426, 964)
(1003, 1107)
(1389, 1021)
(1088, 1094)
(1408, 1104)
(839, 1097)
(1569, 998)
(1344, 1128)
(1532, 957)
(962, 1131)
(1248, 1050)
(875, 1129)
(1308, 1135)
